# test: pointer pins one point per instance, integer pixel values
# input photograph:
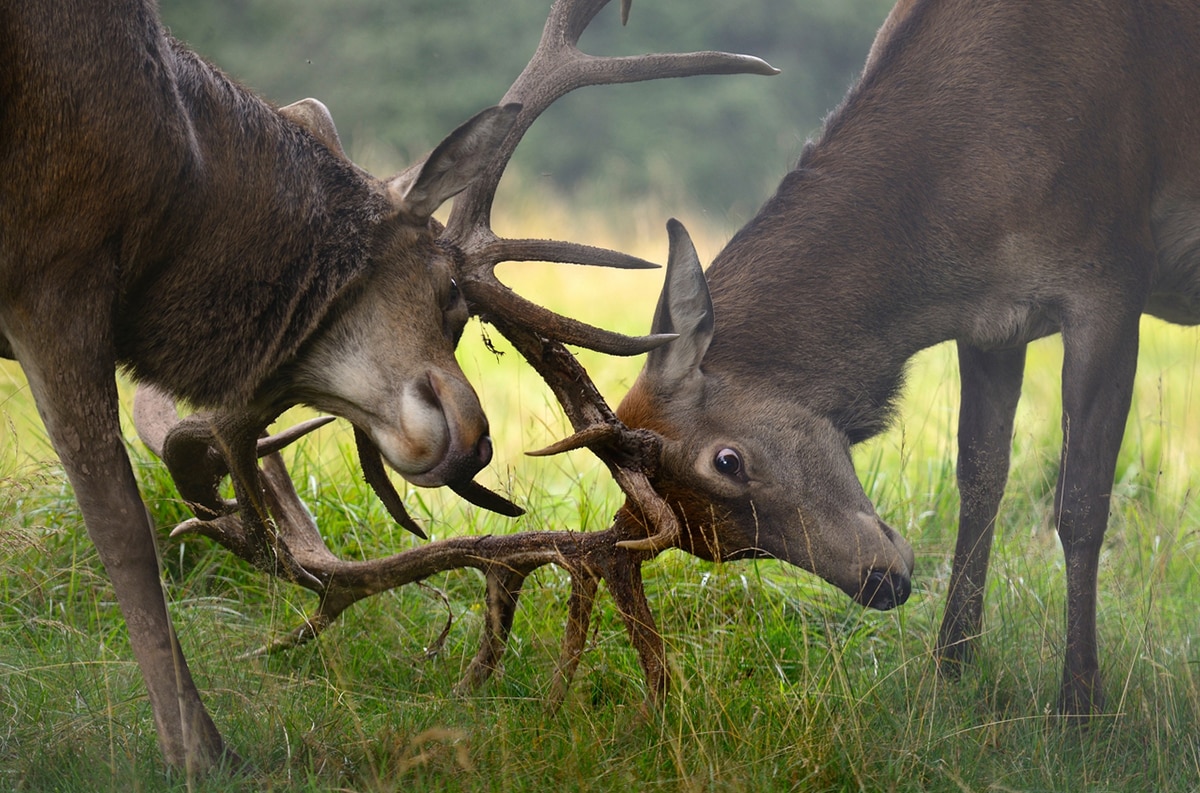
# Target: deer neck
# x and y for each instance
(832, 289)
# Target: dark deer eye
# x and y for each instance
(454, 313)
(728, 463)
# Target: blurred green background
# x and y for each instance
(399, 74)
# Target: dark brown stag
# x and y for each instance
(230, 255)
(1000, 172)
(225, 253)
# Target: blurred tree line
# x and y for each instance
(399, 74)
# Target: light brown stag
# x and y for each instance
(1001, 172)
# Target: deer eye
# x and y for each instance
(728, 463)
(454, 313)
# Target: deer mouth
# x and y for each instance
(885, 588)
(443, 437)
(456, 467)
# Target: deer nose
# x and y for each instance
(884, 590)
(483, 449)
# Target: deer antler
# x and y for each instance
(197, 449)
(558, 67)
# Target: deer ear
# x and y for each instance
(423, 187)
(684, 308)
(314, 117)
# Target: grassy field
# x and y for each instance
(778, 681)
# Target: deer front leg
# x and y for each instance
(1099, 361)
(81, 418)
(990, 388)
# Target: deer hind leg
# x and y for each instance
(1099, 362)
(78, 404)
(991, 387)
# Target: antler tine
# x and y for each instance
(559, 67)
(556, 68)
(596, 433)
(489, 297)
(526, 250)
(155, 417)
(475, 493)
(371, 460)
(376, 476)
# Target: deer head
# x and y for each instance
(749, 470)
(384, 359)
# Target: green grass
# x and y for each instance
(778, 681)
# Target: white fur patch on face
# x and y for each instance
(417, 438)
(352, 378)
(401, 413)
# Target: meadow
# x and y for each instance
(778, 682)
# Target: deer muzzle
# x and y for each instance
(443, 437)
(886, 586)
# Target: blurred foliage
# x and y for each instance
(400, 74)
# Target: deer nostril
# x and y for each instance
(483, 450)
(884, 591)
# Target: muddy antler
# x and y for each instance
(638, 534)
(201, 449)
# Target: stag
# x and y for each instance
(229, 253)
(231, 256)
(1000, 172)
